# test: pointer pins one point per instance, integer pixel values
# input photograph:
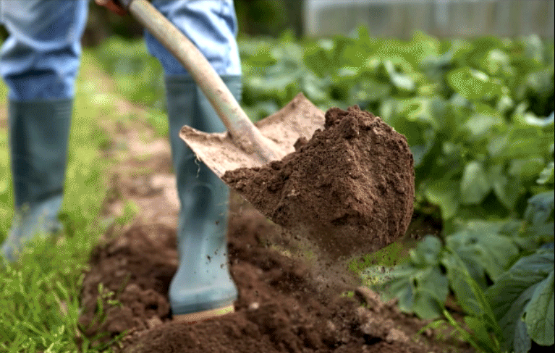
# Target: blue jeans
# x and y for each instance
(40, 58)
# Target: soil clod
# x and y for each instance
(281, 306)
(349, 189)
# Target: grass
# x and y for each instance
(137, 76)
(39, 300)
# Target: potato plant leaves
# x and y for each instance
(468, 108)
(475, 184)
(420, 286)
(506, 292)
(522, 300)
(484, 254)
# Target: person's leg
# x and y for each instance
(202, 286)
(39, 63)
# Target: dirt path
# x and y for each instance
(282, 306)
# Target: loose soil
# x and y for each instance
(283, 304)
(349, 189)
(282, 307)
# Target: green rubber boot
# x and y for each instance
(202, 287)
(39, 132)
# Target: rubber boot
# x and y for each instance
(202, 287)
(38, 133)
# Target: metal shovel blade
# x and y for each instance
(299, 118)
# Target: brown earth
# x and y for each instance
(283, 306)
(349, 189)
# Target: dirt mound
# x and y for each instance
(281, 306)
(136, 268)
(349, 189)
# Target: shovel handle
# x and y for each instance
(242, 130)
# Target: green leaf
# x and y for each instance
(528, 168)
(445, 194)
(521, 142)
(540, 208)
(481, 125)
(475, 184)
(414, 120)
(469, 294)
(399, 80)
(546, 175)
(425, 306)
(420, 286)
(370, 90)
(496, 62)
(508, 189)
(483, 253)
(505, 104)
(511, 294)
(539, 313)
(419, 110)
(427, 252)
(521, 341)
(540, 122)
(473, 84)
(478, 327)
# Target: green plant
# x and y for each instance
(476, 113)
(522, 301)
(40, 297)
(501, 274)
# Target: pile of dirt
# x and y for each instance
(349, 189)
(282, 307)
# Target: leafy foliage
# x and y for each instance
(522, 300)
(420, 285)
(474, 111)
(478, 114)
(501, 274)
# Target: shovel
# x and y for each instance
(244, 144)
(368, 198)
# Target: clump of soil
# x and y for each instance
(135, 269)
(281, 306)
(349, 189)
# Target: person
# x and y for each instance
(39, 63)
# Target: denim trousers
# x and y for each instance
(40, 59)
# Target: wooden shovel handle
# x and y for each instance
(242, 130)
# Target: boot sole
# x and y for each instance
(204, 315)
